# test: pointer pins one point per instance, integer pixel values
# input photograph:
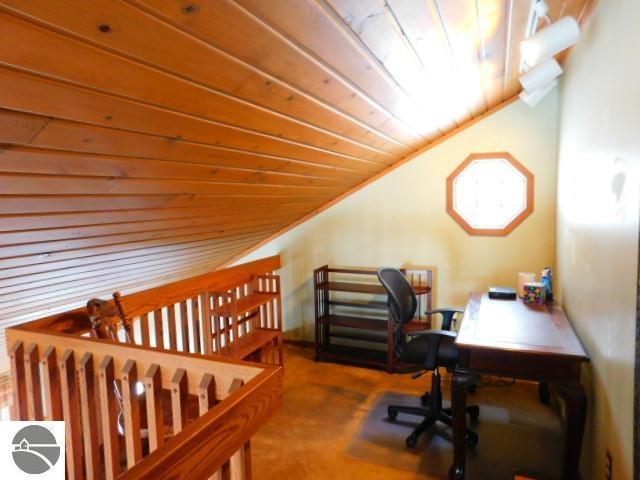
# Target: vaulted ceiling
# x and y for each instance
(146, 140)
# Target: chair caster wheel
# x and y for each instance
(474, 412)
(471, 439)
(392, 414)
(412, 441)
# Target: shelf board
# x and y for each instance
(353, 287)
(247, 304)
(354, 356)
(363, 357)
(353, 303)
(365, 323)
(249, 343)
(377, 337)
(370, 288)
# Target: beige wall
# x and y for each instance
(598, 183)
(401, 219)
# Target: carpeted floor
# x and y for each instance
(333, 426)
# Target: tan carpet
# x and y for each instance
(333, 426)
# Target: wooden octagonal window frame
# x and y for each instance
(508, 228)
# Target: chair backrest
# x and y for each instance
(401, 300)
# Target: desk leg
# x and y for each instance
(576, 406)
(460, 384)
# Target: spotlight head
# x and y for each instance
(533, 98)
(540, 75)
(550, 40)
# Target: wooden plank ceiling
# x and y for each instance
(147, 140)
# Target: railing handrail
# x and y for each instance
(145, 301)
(140, 303)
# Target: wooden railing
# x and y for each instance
(135, 411)
(237, 314)
(239, 318)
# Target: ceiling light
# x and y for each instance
(550, 40)
(540, 75)
(533, 98)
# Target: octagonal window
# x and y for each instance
(490, 194)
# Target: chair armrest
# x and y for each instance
(447, 315)
(444, 333)
(444, 310)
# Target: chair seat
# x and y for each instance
(416, 349)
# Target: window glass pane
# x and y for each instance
(490, 193)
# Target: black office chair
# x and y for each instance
(427, 350)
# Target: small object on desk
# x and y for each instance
(547, 279)
(524, 277)
(502, 293)
(535, 294)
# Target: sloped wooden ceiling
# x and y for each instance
(145, 140)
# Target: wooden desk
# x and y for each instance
(511, 339)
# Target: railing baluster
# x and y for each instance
(109, 411)
(225, 471)
(206, 400)
(155, 409)
(195, 312)
(237, 460)
(171, 323)
(32, 376)
(272, 314)
(205, 301)
(184, 326)
(248, 472)
(159, 328)
(19, 384)
(144, 330)
(51, 376)
(71, 414)
(131, 404)
(278, 300)
(215, 321)
(206, 393)
(179, 394)
(89, 422)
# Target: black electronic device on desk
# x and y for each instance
(502, 293)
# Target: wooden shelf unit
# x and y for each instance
(362, 319)
(247, 321)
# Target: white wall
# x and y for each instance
(598, 211)
(401, 219)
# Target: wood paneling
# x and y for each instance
(143, 141)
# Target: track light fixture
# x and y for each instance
(532, 99)
(541, 70)
(540, 75)
(550, 40)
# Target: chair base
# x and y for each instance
(432, 416)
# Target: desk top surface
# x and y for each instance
(513, 326)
